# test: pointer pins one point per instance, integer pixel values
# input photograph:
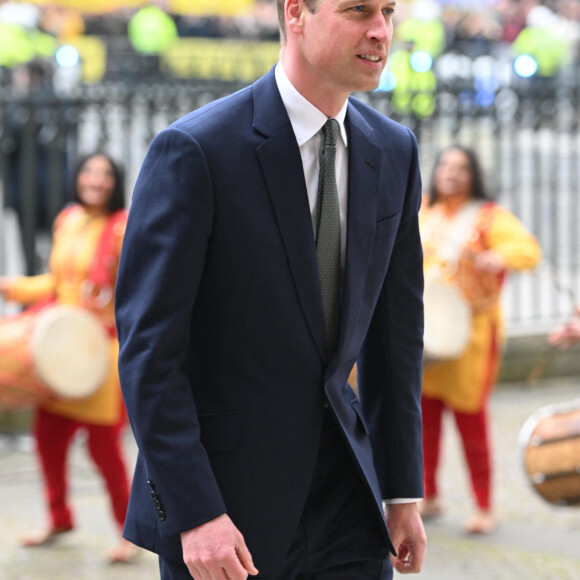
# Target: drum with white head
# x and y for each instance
(447, 321)
(60, 352)
(70, 349)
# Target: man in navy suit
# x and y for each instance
(254, 452)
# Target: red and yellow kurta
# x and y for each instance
(76, 239)
(463, 384)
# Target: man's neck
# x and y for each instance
(326, 100)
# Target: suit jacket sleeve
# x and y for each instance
(390, 362)
(160, 269)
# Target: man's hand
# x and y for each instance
(216, 550)
(408, 537)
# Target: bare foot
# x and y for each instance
(483, 522)
(43, 537)
(123, 553)
(430, 508)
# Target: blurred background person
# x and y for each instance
(469, 243)
(32, 81)
(36, 148)
(82, 271)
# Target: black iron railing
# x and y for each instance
(526, 135)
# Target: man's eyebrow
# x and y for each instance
(393, 3)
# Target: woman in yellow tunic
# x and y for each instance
(82, 271)
(469, 243)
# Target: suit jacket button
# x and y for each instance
(162, 515)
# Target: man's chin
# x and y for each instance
(368, 86)
(370, 83)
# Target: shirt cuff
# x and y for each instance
(386, 502)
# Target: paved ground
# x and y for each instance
(535, 541)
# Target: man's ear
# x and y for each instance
(294, 11)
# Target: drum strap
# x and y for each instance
(103, 267)
(450, 238)
(102, 271)
(100, 283)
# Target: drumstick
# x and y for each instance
(559, 285)
(539, 368)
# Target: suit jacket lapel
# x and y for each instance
(281, 163)
(363, 181)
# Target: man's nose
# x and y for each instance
(380, 28)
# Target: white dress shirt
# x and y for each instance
(307, 122)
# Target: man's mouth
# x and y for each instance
(371, 57)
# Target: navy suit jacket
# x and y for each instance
(221, 326)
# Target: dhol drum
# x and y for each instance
(57, 352)
(550, 440)
(447, 322)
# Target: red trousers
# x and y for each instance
(473, 430)
(54, 435)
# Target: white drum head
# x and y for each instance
(447, 321)
(70, 349)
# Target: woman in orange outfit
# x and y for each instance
(469, 243)
(82, 271)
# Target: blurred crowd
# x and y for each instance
(548, 29)
(65, 22)
(480, 28)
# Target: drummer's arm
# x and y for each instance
(27, 289)
(568, 333)
(511, 243)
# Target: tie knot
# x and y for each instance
(330, 131)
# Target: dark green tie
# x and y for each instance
(328, 236)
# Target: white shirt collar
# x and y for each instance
(306, 119)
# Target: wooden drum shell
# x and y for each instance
(550, 440)
(59, 352)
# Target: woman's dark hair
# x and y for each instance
(478, 189)
(117, 199)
